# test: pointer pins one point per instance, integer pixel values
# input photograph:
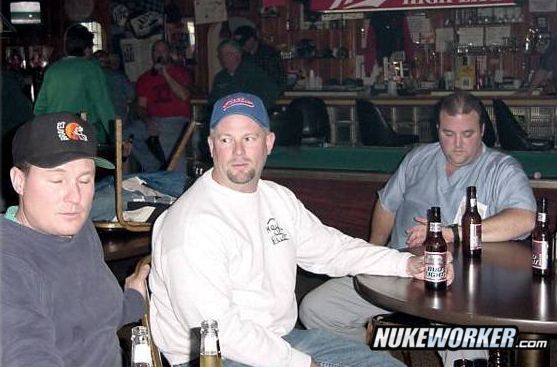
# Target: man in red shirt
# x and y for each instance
(163, 99)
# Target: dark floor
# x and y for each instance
(306, 282)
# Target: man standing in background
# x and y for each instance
(77, 84)
(261, 54)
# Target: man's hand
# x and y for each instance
(137, 279)
(417, 234)
(416, 266)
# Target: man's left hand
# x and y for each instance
(137, 279)
(416, 235)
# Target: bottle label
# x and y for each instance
(540, 254)
(141, 354)
(542, 217)
(475, 236)
(435, 267)
(210, 361)
(434, 227)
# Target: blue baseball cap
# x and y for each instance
(240, 104)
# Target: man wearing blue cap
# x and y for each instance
(228, 249)
(61, 305)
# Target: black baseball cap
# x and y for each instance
(53, 139)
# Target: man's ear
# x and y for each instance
(210, 142)
(18, 180)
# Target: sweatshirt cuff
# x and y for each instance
(403, 265)
(299, 359)
(134, 306)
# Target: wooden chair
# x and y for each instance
(155, 352)
(122, 223)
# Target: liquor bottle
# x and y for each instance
(471, 226)
(83, 115)
(435, 253)
(141, 347)
(209, 350)
(541, 243)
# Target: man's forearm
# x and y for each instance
(179, 90)
(508, 225)
(382, 223)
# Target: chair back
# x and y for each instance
(287, 124)
(121, 222)
(316, 128)
(155, 352)
(375, 130)
(511, 134)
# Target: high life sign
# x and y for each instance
(378, 5)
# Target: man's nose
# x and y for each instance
(72, 193)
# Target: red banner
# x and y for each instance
(378, 5)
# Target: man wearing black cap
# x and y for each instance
(61, 305)
(261, 54)
(227, 250)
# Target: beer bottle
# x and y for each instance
(141, 347)
(209, 351)
(498, 358)
(463, 363)
(435, 253)
(541, 243)
(471, 226)
(83, 115)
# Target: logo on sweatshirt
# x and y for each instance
(276, 232)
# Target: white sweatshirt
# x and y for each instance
(231, 256)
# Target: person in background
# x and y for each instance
(77, 84)
(122, 90)
(239, 75)
(228, 249)
(164, 109)
(16, 109)
(548, 67)
(61, 305)
(261, 54)
(433, 174)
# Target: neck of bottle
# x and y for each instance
(209, 343)
(434, 229)
(541, 221)
(472, 205)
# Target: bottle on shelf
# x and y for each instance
(141, 347)
(83, 115)
(435, 253)
(209, 349)
(541, 243)
(471, 226)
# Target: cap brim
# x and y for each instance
(59, 159)
(103, 163)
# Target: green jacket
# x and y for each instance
(75, 84)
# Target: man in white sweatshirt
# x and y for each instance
(228, 248)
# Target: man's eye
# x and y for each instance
(225, 140)
(85, 181)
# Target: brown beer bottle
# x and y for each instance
(435, 253)
(541, 243)
(463, 363)
(471, 226)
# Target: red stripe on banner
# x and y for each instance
(378, 5)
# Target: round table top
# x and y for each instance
(500, 289)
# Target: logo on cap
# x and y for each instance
(238, 101)
(70, 131)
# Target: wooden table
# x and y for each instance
(497, 290)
